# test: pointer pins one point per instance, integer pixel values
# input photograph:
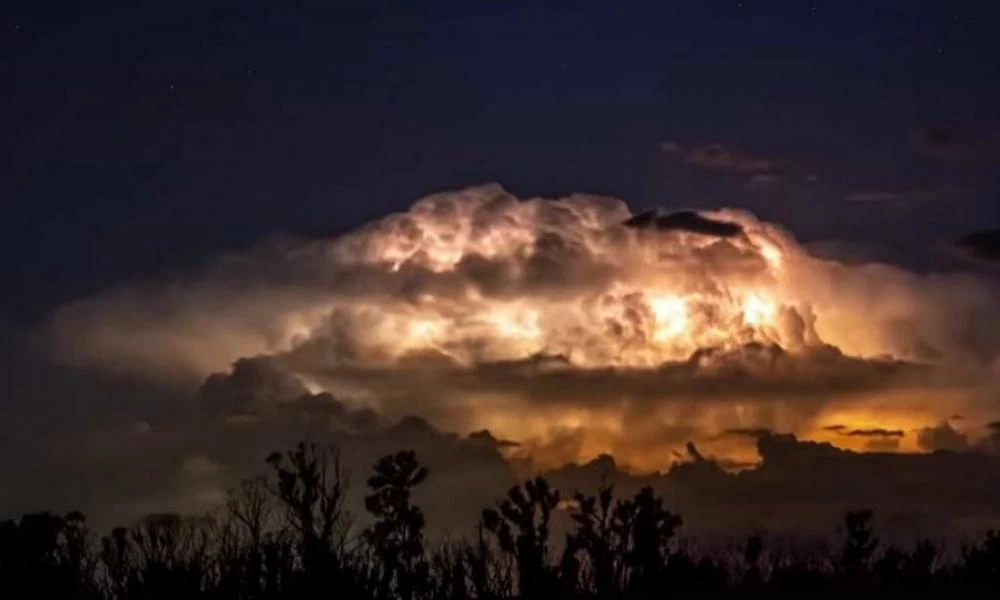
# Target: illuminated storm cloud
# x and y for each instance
(570, 325)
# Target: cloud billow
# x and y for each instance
(569, 326)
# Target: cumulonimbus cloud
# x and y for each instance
(566, 325)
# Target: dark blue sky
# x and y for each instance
(141, 137)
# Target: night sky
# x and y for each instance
(142, 141)
(143, 136)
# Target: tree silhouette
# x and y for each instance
(860, 542)
(652, 528)
(521, 526)
(752, 553)
(247, 530)
(290, 538)
(397, 534)
(983, 560)
(172, 553)
(48, 554)
(599, 539)
(118, 565)
(312, 488)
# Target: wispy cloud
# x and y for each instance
(877, 197)
(763, 181)
(718, 157)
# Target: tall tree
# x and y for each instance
(397, 534)
(521, 526)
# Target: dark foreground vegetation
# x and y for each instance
(289, 536)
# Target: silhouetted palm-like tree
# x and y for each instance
(521, 527)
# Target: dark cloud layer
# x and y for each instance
(983, 245)
(689, 221)
(878, 432)
(942, 437)
(184, 459)
(804, 487)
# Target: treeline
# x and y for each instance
(289, 536)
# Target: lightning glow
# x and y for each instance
(540, 317)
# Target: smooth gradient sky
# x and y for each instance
(141, 137)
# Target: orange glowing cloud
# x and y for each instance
(572, 326)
